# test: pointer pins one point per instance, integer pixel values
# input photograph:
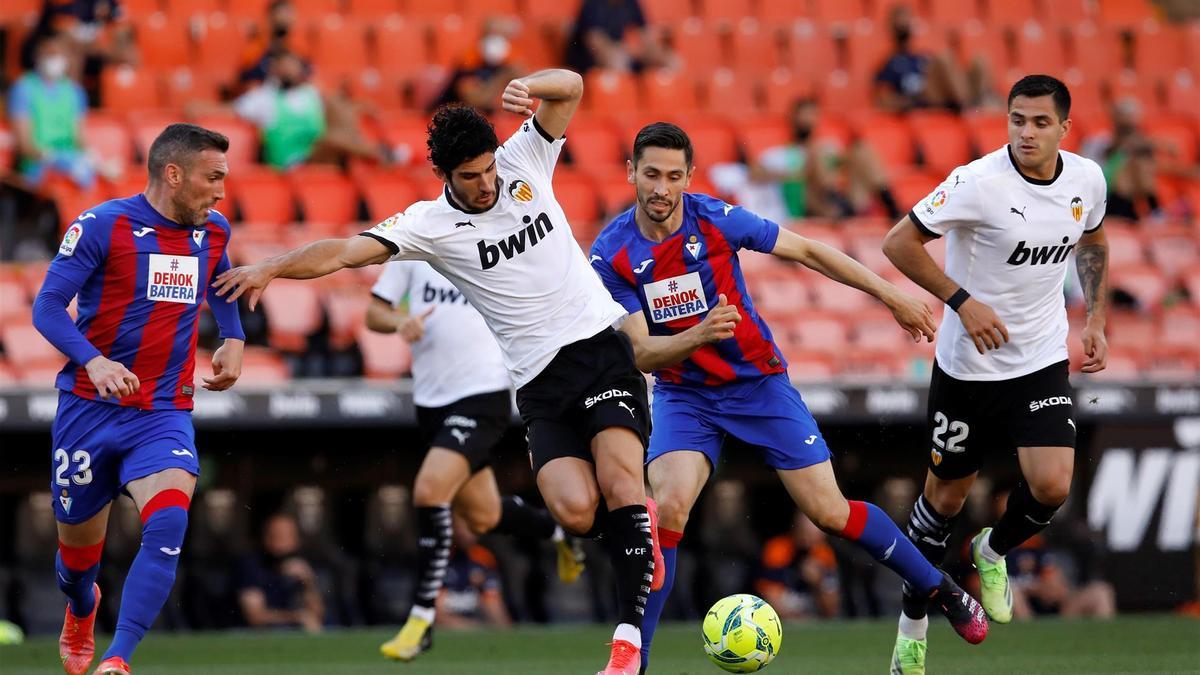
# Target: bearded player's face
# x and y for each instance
(660, 176)
(203, 185)
(473, 183)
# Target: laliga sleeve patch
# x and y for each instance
(71, 239)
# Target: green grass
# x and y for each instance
(1143, 644)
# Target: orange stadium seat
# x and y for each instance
(293, 312)
(401, 46)
(987, 131)
(866, 52)
(713, 140)
(262, 195)
(1123, 365)
(952, 12)
(1125, 12)
(220, 44)
(382, 88)
(811, 53)
(1039, 49)
(942, 139)
(877, 331)
(385, 193)
(1096, 53)
(668, 11)
(162, 42)
(805, 366)
(668, 93)
(866, 246)
(1176, 138)
(1174, 252)
(1124, 246)
(261, 366)
(8, 374)
(7, 149)
(430, 10)
(340, 46)
(1183, 95)
(452, 37)
(839, 93)
(725, 11)
(783, 87)
(19, 9)
(836, 297)
(183, 85)
(141, 8)
(757, 46)
(726, 87)
(24, 344)
(14, 301)
(1067, 12)
(1145, 283)
(39, 373)
(71, 200)
(108, 136)
(595, 145)
(890, 138)
(1179, 327)
(1160, 50)
(541, 45)
(782, 13)
(247, 11)
(1011, 12)
(325, 194)
(193, 9)
(758, 133)
(616, 194)
(610, 92)
(385, 357)
(373, 10)
(700, 46)
(557, 11)
(347, 312)
(406, 133)
(147, 124)
(837, 13)
(577, 194)
(781, 295)
(823, 333)
(1191, 282)
(128, 88)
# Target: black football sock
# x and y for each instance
(1024, 517)
(522, 520)
(929, 531)
(631, 550)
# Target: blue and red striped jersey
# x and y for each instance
(676, 281)
(140, 279)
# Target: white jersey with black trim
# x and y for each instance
(1008, 243)
(517, 263)
(457, 356)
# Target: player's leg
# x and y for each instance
(84, 481)
(676, 479)
(442, 474)
(1040, 424)
(162, 499)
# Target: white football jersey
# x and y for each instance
(518, 263)
(1008, 240)
(457, 356)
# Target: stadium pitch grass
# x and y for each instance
(1135, 644)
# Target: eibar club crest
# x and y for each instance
(693, 246)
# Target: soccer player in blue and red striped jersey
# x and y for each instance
(140, 267)
(671, 261)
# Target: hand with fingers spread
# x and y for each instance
(226, 366)
(1095, 348)
(413, 327)
(721, 321)
(516, 99)
(982, 324)
(111, 378)
(913, 315)
(231, 284)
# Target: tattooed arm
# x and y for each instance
(1091, 259)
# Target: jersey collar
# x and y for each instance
(1058, 169)
(458, 207)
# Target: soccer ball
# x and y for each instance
(742, 633)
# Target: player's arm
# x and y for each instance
(912, 314)
(652, 352)
(1091, 261)
(227, 360)
(307, 262)
(560, 92)
(904, 245)
(382, 317)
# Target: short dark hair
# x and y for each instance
(178, 142)
(1043, 85)
(662, 135)
(458, 133)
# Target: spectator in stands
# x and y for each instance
(1126, 154)
(470, 595)
(47, 108)
(278, 587)
(275, 36)
(911, 79)
(96, 33)
(604, 32)
(799, 574)
(298, 123)
(486, 68)
(1042, 583)
(810, 177)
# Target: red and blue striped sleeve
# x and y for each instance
(83, 251)
(229, 321)
(742, 228)
(618, 287)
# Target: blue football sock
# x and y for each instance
(76, 575)
(669, 541)
(152, 573)
(878, 535)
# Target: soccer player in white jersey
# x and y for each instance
(463, 398)
(1011, 219)
(500, 236)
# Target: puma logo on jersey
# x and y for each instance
(465, 223)
(516, 243)
(957, 181)
(1013, 209)
(182, 453)
(1039, 255)
(625, 405)
(170, 551)
(143, 232)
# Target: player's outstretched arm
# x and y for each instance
(559, 90)
(905, 247)
(307, 262)
(652, 352)
(1091, 261)
(226, 365)
(912, 314)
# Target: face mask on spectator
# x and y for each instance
(53, 67)
(493, 48)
